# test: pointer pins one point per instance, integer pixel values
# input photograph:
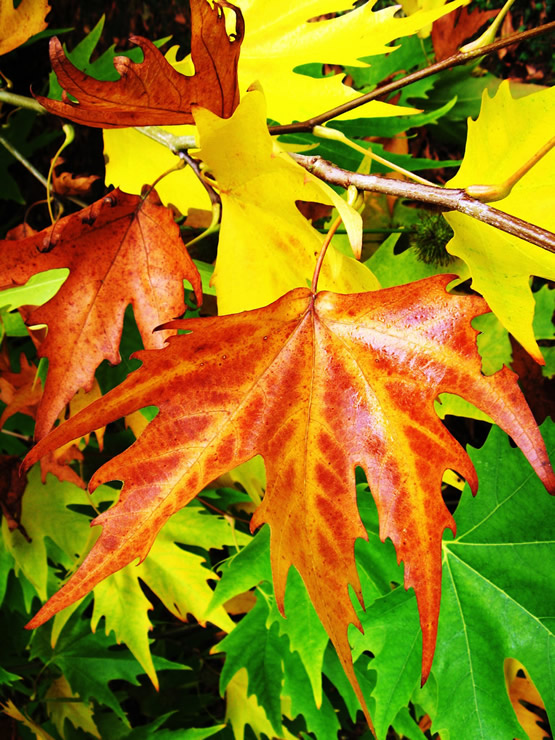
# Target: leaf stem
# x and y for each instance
(209, 505)
(21, 101)
(174, 143)
(491, 193)
(69, 134)
(195, 166)
(490, 32)
(326, 132)
(452, 61)
(179, 166)
(333, 228)
(449, 199)
(25, 162)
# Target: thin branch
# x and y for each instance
(21, 101)
(174, 143)
(452, 61)
(194, 165)
(24, 161)
(449, 199)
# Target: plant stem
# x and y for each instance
(489, 34)
(450, 199)
(25, 162)
(491, 193)
(69, 136)
(209, 505)
(21, 101)
(195, 166)
(172, 142)
(333, 228)
(452, 61)
(326, 132)
(179, 166)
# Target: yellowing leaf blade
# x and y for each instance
(267, 247)
(508, 132)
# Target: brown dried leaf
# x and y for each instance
(452, 30)
(152, 93)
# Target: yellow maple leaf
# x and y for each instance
(414, 6)
(507, 133)
(274, 45)
(266, 246)
(12, 711)
(19, 24)
(242, 710)
(62, 703)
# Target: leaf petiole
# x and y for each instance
(22, 160)
(491, 193)
(325, 132)
(333, 228)
(69, 133)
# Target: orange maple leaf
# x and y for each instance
(152, 93)
(317, 385)
(22, 391)
(122, 249)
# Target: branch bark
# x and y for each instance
(448, 199)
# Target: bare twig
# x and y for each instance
(452, 61)
(448, 199)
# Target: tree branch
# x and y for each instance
(452, 61)
(448, 199)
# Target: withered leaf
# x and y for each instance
(152, 93)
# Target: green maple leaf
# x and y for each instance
(391, 633)
(302, 627)
(89, 664)
(258, 649)
(52, 528)
(497, 587)
(321, 719)
(497, 590)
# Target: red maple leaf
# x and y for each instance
(317, 385)
(122, 249)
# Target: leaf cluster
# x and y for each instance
(326, 407)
